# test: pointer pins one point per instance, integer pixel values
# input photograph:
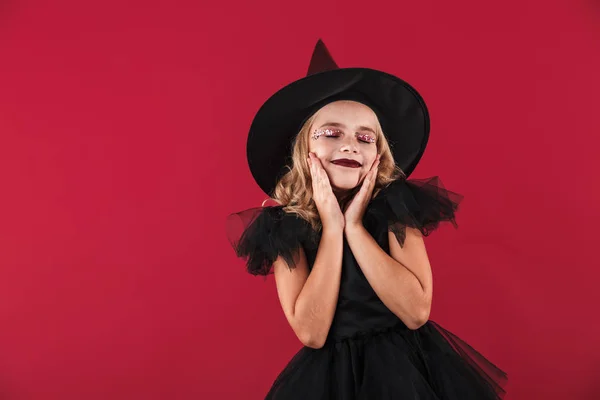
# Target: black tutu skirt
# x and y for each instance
(429, 363)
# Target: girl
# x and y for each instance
(345, 240)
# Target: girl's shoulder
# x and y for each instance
(264, 219)
(261, 234)
(418, 203)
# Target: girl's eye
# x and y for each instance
(335, 133)
(366, 138)
(326, 132)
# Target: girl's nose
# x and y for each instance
(350, 145)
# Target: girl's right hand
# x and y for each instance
(325, 200)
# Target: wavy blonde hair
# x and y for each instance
(294, 189)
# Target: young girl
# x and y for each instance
(345, 240)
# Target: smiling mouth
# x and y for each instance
(346, 163)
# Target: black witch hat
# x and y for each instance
(400, 109)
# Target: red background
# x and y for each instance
(122, 150)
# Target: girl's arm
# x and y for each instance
(403, 281)
(309, 299)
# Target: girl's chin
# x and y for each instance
(344, 184)
(344, 180)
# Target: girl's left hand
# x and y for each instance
(355, 210)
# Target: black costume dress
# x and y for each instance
(369, 352)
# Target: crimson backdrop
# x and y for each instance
(122, 134)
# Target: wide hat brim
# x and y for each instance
(400, 109)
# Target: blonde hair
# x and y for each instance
(294, 190)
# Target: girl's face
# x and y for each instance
(344, 130)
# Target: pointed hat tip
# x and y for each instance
(321, 59)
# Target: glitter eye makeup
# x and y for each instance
(331, 132)
(367, 138)
(327, 132)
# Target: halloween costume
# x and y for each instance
(369, 352)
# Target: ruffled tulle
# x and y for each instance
(259, 235)
(430, 363)
(417, 203)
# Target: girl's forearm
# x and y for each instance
(316, 303)
(396, 286)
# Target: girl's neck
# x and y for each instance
(343, 195)
(340, 194)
